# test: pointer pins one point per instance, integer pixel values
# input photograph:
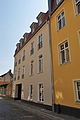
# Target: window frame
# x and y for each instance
(41, 98)
(76, 90)
(40, 41)
(31, 68)
(23, 72)
(32, 48)
(76, 5)
(57, 20)
(60, 59)
(58, 1)
(40, 58)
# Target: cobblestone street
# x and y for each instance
(17, 110)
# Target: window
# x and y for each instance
(77, 90)
(31, 68)
(40, 21)
(40, 64)
(23, 70)
(40, 42)
(61, 20)
(30, 92)
(15, 61)
(58, 1)
(32, 48)
(77, 6)
(64, 52)
(19, 60)
(41, 95)
(25, 39)
(23, 55)
(14, 76)
(18, 74)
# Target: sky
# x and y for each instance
(16, 17)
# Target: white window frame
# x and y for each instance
(31, 67)
(58, 1)
(40, 59)
(60, 14)
(76, 90)
(76, 4)
(42, 94)
(65, 48)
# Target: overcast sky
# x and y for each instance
(15, 18)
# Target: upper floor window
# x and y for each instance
(23, 70)
(40, 42)
(18, 74)
(60, 20)
(15, 61)
(58, 1)
(32, 48)
(14, 76)
(41, 94)
(31, 67)
(23, 55)
(77, 89)
(77, 6)
(64, 52)
(19, 60)
(40, 69)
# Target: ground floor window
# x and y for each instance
(31, 92)
(41, 93)
(77, 90)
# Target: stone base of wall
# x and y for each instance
(67, 110)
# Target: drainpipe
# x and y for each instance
(52, 87)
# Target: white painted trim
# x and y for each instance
(74, 89)
(56, 19)
(59, 60)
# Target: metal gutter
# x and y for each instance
(52, 87)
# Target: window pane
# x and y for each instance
(63, 21)
(78, 87)
(62, 13)
(67, 55)
(78, 8)
(59, 24)
(62, 47)
(66, 44)
(63, 56)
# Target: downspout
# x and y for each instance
(52, 87)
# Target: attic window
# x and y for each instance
(33, 29)
(40, 21)
(58, 1)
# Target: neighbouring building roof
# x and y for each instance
(7, 73)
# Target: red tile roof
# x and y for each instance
(3, 83)
(31, 34)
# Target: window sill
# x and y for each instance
(64, 63)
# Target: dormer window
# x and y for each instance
(33, 29)
(58, 1)
(25, 38)
(40, 17)
(33, 26)
(40, 21)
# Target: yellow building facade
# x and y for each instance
(65, 43)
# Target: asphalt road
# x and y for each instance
(17, 110)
